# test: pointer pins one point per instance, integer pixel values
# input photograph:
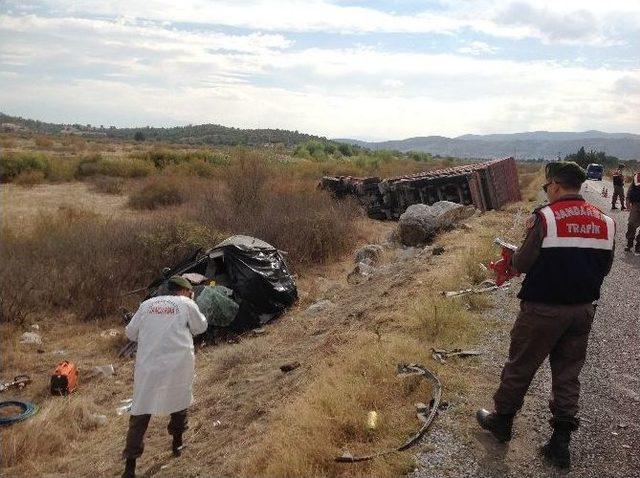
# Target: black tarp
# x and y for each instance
(254, 270)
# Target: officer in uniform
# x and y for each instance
(618, 188)
(633, 203)
(566, 254)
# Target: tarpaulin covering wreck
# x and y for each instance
(486, 185)
(252, 272)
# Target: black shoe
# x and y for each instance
(129, 468)
(556, 450)
(499, 425)
(177, 445)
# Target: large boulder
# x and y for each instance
(420, 223)
(417, 225)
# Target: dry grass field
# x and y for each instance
(65, 244)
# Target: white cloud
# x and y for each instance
(477, 48)
(129, 70)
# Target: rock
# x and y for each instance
(369, 254)
(319, 306)
(104, 370)
(420, 222)
(288, 367)
(417, 225)
(109, 333)
(31, 338)
(360, 273)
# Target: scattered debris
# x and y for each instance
(372, 421)
(107, 334)
(623, 425)
(195, 278)
(626, 447)
(288, 367)
(19, 382)
(405, 370)
(59, 352)
(217, 423)
(442, 355)
(27, 410)
(104, 370)
(31, 338)
(319, 307)
(98, 420)
(128, 350)
(35, 326)
(125, 407)
(485, 286)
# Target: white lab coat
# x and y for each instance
(164, 327)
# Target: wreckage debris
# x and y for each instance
(441, 355)
(486, 185)
(428, 415)
(19, 382)
(27, 410)
(486, 286)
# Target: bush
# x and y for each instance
(161, 192)
(43, 142)
(118, 167)
(14, 163)
(108, 185)
(29, 178)
(80, 262)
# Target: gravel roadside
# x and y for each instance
(608, 443)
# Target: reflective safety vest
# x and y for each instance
(575, 254)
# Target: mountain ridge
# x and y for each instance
(525, 145)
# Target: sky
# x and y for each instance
(371, 70)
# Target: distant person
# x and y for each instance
(164, 327)
(633, 202)
(566, 254)
(618, 188)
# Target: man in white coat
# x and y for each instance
(164, 327)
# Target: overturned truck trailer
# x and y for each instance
(487, 185)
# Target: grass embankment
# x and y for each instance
(329, 417)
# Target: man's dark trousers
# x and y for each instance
(138, 426)
(559, 332)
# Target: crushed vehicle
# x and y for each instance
(486, 185)
(241, 283)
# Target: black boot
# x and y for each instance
(556, 450)
(177, 445)
(499, 425)
(129, 468)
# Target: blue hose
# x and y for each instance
(28, 410)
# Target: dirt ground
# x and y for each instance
(21, 204)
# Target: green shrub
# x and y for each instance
(160, 192)
(14, 163)
(119, 167)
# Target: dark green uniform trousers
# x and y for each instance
(559, 332)
(138, 426)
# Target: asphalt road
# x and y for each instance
(609, 443)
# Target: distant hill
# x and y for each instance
(211, 134)
(530, 145)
